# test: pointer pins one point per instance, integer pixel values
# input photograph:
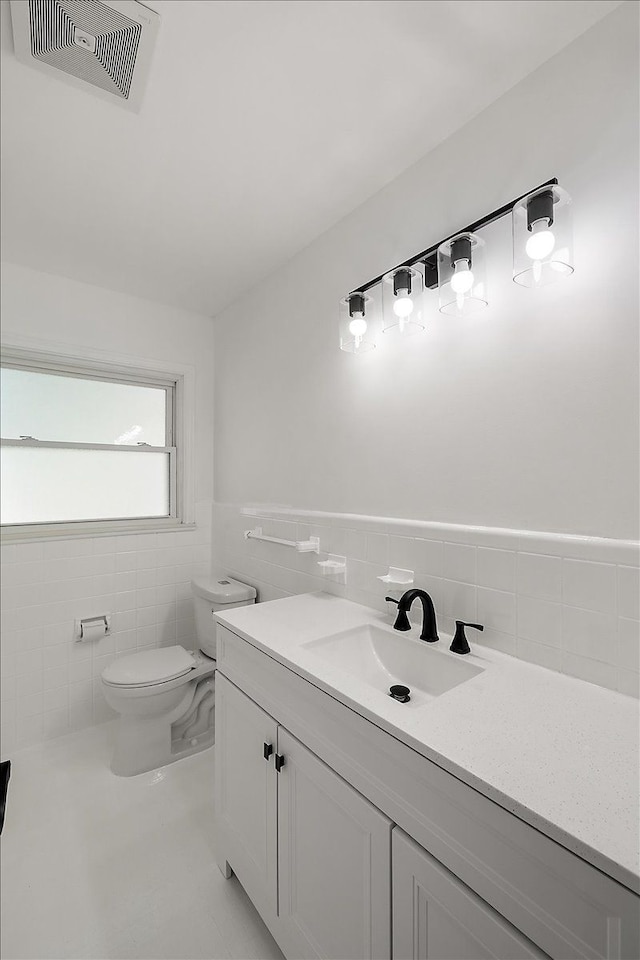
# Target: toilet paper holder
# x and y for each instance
(93, 628)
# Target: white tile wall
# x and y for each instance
(589, 585)
(459, 562)
(539, 620)
(539, 576)
(629, 592)
(51, 683)
(568, 603)
(496, 568)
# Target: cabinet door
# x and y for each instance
(437, 917)
(334, 863)
(245, 793)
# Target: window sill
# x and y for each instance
(90, 530)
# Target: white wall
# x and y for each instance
(50, 683)
(524, 417)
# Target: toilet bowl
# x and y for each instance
(165, 697)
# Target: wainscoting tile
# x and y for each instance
(497, 610)
(592, 671)
(629, 682)
(539, 576)
(629, 592)
(377, 548)
(496, 568)
(590, 634)
(405, 552)
(628, 644)
(540, 653)
(430, 557)
(459, 600)
(591, 586)
(540, 621)
(459, 562)
(471, 573)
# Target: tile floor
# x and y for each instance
(96, 866)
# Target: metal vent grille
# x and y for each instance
(87, 39)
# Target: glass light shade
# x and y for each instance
(542, 237)
(402, 302)
(359, 323)
(462, 280)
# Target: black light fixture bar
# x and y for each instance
(430, 256)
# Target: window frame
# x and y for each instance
(177, 382)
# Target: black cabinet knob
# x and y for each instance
(267, 750)
(279, 762)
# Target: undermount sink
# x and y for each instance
(381, 658)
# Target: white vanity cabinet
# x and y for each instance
(436, 917)
(245, 792)
(334, 863)
(327, 894)
(312, 844)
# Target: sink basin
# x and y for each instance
(381, 658)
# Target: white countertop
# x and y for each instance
(561, 754)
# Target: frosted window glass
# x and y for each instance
(47, 485)
(51, 407)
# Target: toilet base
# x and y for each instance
(128, 762)
(145, 743)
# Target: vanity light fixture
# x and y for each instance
(402, 307)
(542, 237)
(542, 252)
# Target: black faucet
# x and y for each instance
(429, 630)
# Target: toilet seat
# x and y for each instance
(149, 667)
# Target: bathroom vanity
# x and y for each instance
(490, 816)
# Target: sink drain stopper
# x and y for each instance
(400, 693)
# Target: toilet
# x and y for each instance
(165, 697)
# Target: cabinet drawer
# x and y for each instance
(563, 904)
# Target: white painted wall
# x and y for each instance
(50, 683)
(525, 417)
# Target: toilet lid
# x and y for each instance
(149, 666)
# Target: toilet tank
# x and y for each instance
(210, 596)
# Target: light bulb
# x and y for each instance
(462, 279)
(403, 307)
(358, 326)
(541, 242)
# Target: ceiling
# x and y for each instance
(264, 123)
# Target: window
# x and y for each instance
(87, 447)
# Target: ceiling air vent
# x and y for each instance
(106, 46)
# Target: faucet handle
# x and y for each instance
(402, 620)
(460, 643)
